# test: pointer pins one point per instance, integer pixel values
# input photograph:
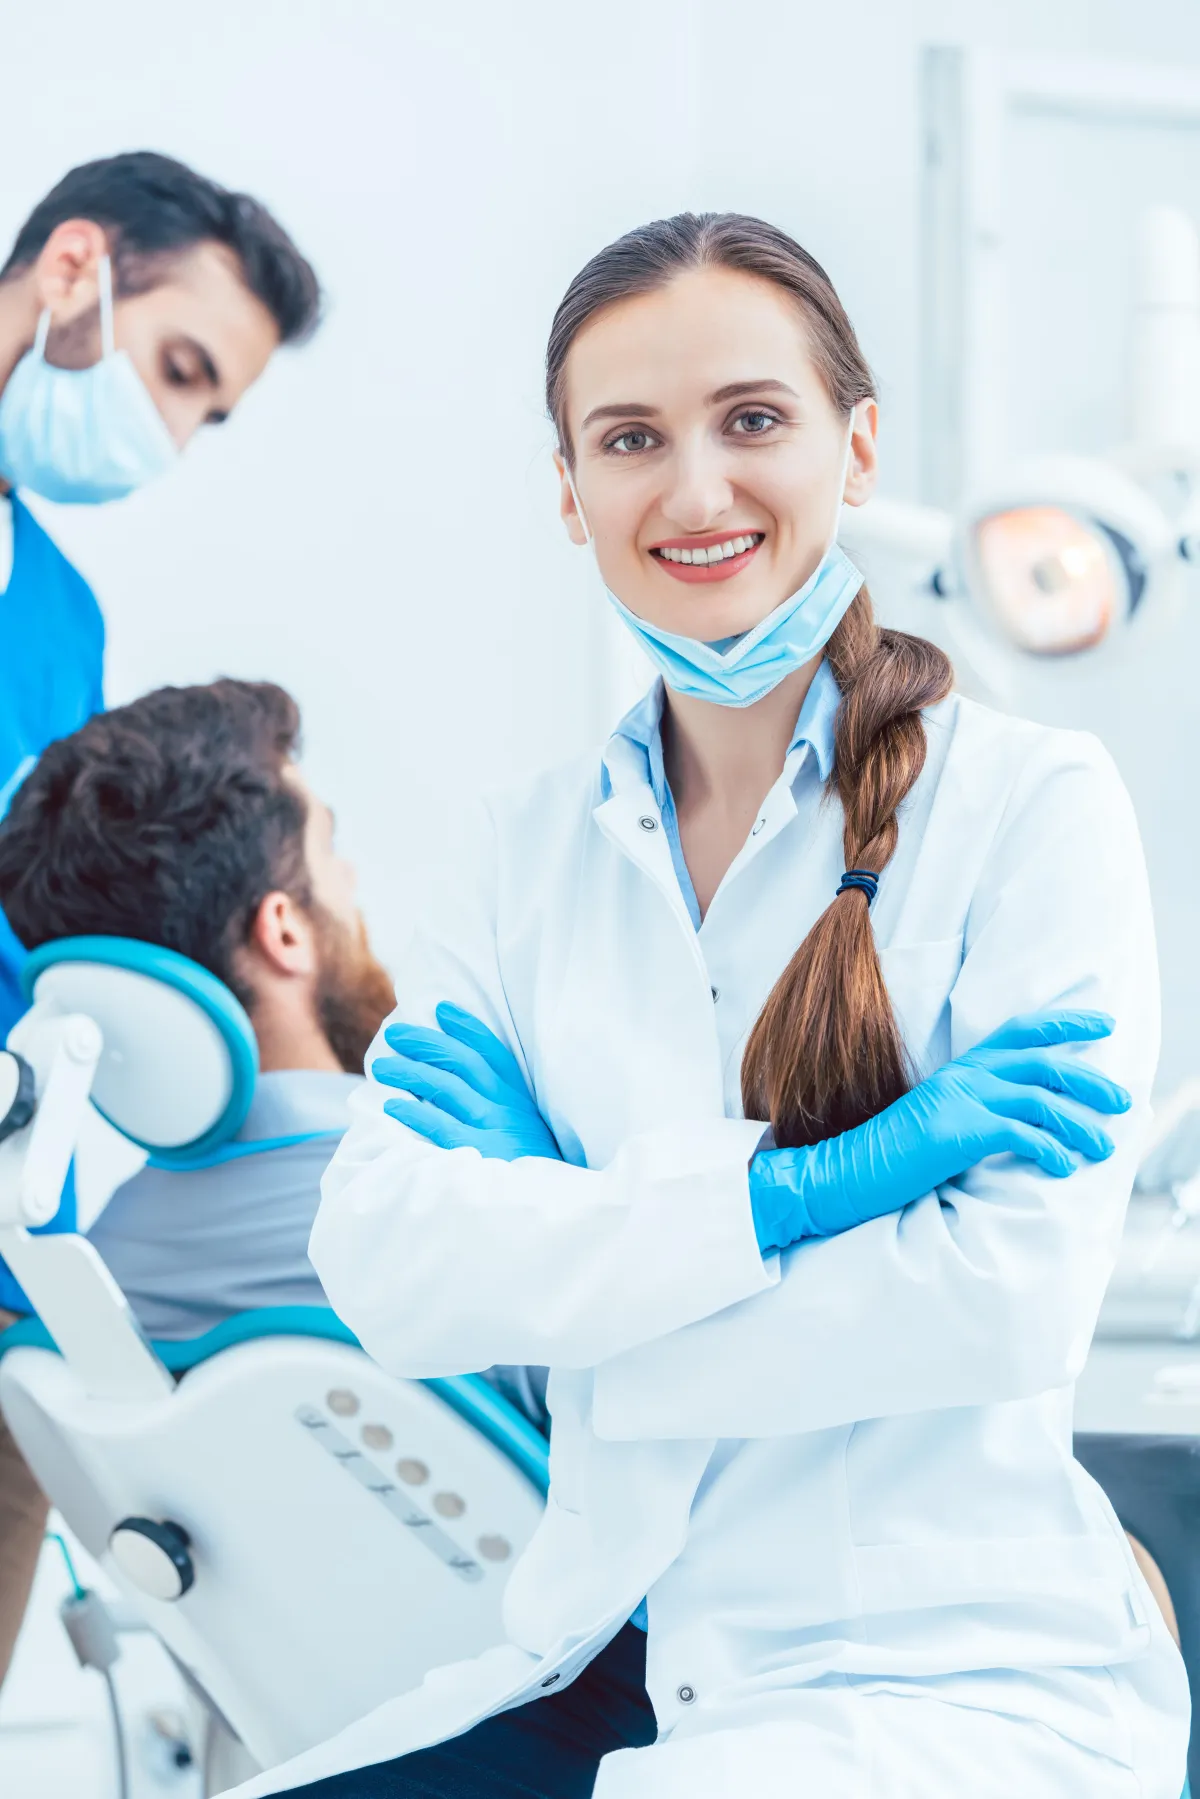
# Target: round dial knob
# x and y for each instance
(155, 1557)
(18, 1097)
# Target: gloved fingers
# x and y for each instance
(1014, 1137)
(1031, 1106)
(436, 1126)
(1037, 1030)
(422, 1043)
(1039, 1068)
(465, 1028)
(437, 1086)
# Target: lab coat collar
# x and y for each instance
(641, 731)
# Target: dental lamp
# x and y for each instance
(1067, 556)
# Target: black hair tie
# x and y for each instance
(863, 879)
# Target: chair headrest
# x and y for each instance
(180, 1057)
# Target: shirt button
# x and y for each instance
(647, 822)
(686, 1695)
(756, 828)
(551, 1680)
(716, 993)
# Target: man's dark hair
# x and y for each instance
(153, 209)
(170, 820)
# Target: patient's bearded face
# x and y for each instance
(354, 992)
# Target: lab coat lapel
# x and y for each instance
(631, 821)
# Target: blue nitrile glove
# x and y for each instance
(1007, 1095)
(463, 1089)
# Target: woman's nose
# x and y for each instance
(698, 489)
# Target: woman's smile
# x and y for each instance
(711, 558)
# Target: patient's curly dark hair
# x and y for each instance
(169, 820)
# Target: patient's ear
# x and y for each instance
(283, 936)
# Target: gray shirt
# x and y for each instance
(191, 1249)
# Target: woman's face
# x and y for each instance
(699, 419)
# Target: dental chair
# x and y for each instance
(1137, 1406)
(306, 1534)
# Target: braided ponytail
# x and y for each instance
(826, 1052)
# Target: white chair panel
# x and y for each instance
(349, 1531)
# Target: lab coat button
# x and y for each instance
(551, 1680)
(647, 822)
(716, 993)
(686, 1695)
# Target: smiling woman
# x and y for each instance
(814, 1521)
(759, 465)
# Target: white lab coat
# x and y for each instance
(895, 1514)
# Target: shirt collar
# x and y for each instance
(642, 727)
(290, 1100)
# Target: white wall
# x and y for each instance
(376, 528)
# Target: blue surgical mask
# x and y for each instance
(82, 435)
(741, 670)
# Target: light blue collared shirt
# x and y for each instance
(643, 727)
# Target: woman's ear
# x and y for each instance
(568, 506)
(283, 936)
(864, 455)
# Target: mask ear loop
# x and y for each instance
(841, 489)
(580, 513)
(108, 342)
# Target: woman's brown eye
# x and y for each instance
(630, 442)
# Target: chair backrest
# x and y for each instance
(341, 1531)
(174, 1081)
(348, 1531)
(180, 1058)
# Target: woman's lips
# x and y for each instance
(697, 573)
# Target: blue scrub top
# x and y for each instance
(51, 681)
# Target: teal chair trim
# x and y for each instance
(469, 1395)
(182, 1161)
(187, 977)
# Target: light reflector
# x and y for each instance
(1052, 579)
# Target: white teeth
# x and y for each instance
(718, 552)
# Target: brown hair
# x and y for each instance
(826, 1052)
(169, 819)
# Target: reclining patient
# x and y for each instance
(183, 820)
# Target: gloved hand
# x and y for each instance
(1007, 1095)
(464, 1089)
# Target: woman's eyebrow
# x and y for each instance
(621, 409)
(738, 389)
